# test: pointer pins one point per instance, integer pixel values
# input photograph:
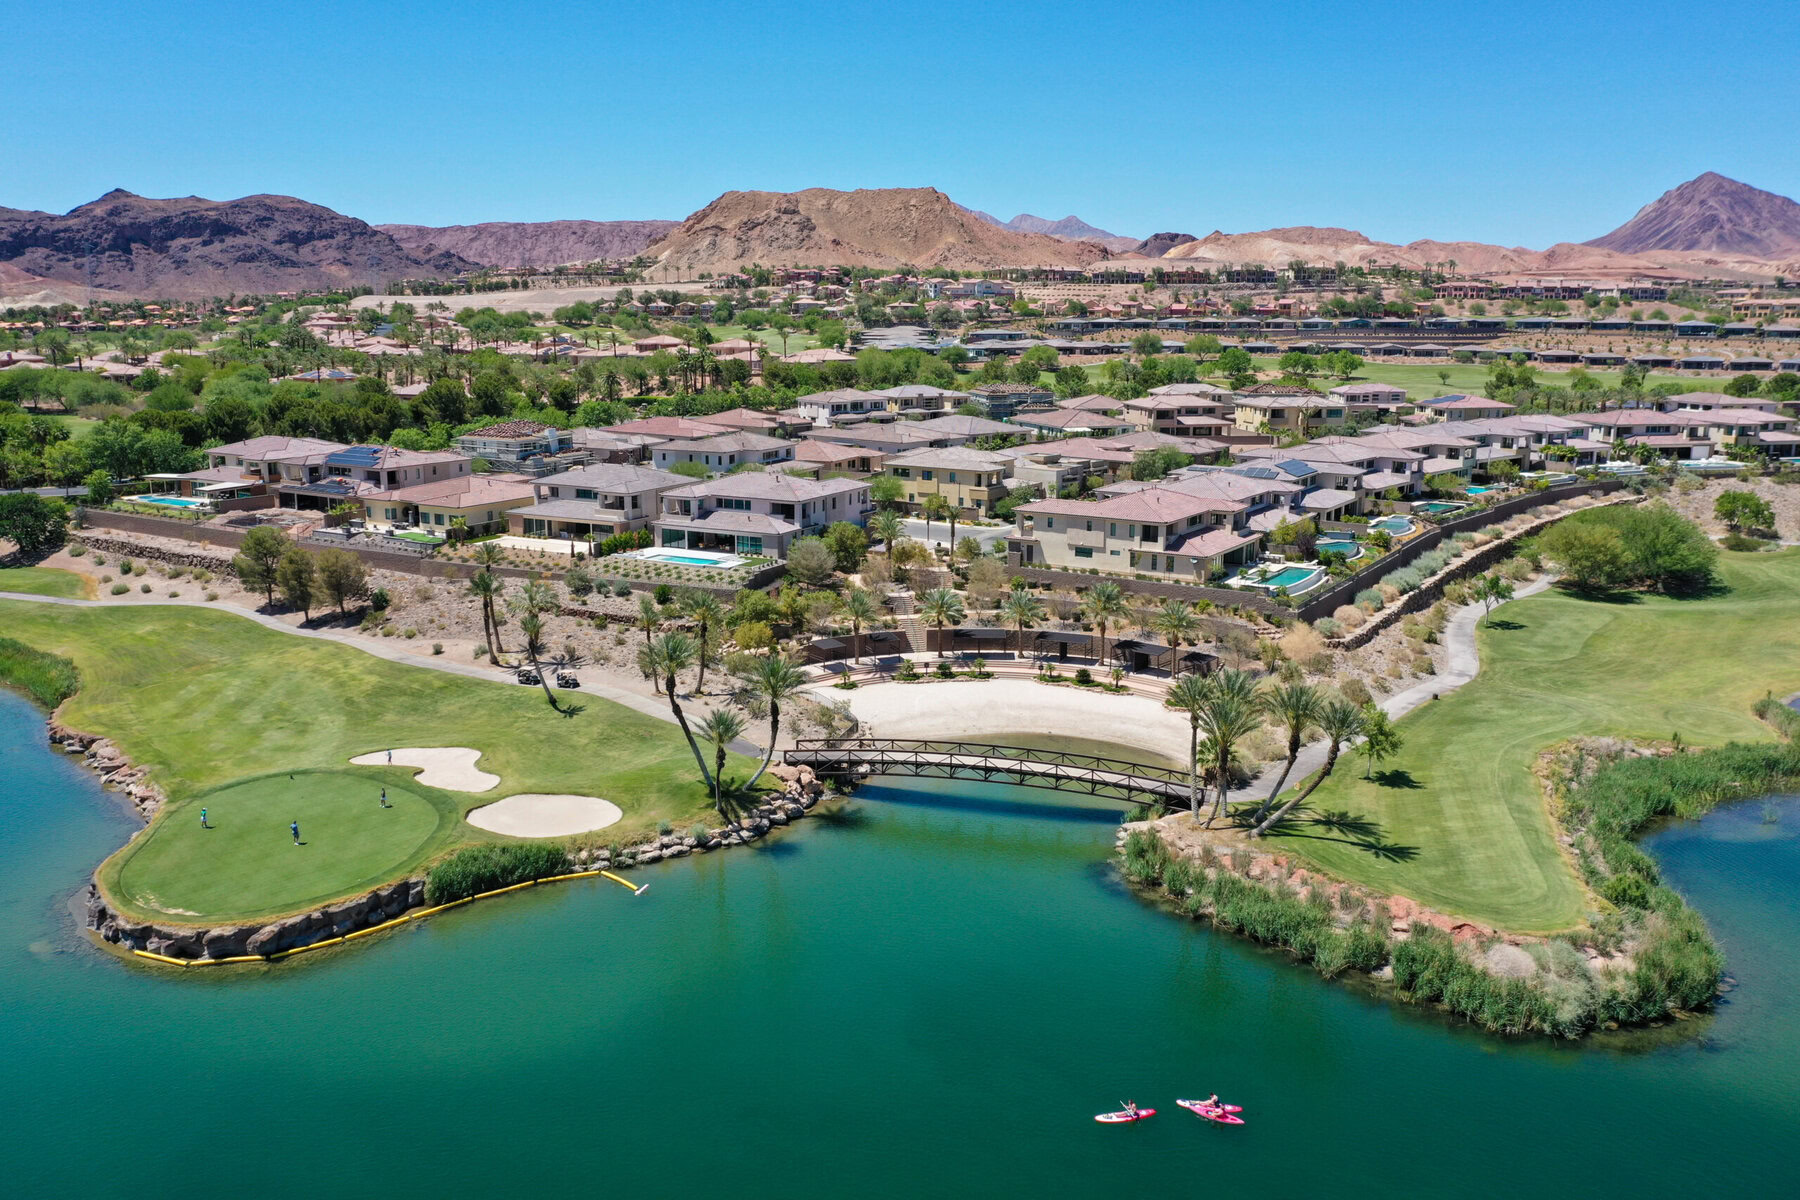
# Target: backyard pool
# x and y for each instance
(1437, 508)
(168, 501)
(1481, 490)
(691, 558)
(1295, 579)
(1397, 526)
(1349, 547)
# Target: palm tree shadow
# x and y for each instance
(1506, 626)
(571, 710)
(1397, 778)
(1349, 829)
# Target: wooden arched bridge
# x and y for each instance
(1059, 770)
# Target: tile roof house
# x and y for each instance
(721, 452)
(595, 501)
(481, 501)
(1153, 530)
(968, 480)
(757, 512)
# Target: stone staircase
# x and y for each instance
(906, 616)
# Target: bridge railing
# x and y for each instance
(992, 756)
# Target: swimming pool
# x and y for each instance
(690, 558)
(1287, 577)
(1349, 547)
(1397, 526)
(1437, 508)
(1295, 579)
(1480, 491)
(168, 501)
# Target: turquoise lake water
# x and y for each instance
(930, 995)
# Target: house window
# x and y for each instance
(586, 494)
(1084, 552)
(953, 477)
(924, 474)
(437, 518)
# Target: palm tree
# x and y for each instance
(487, 589)
(941, 606)
(649, 617)
(1022, 608)
(670, 655)
(1191, 695)
(721, 727)
(1232, 712)
(1296, 707)
(886, 526)
(1176, 620)
(708, 616)
(933, 508)
(532, 626)
(861, 608)
(1104, 605)
(772, 680)
(1341, 722)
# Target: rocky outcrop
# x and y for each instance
(512, 244)
(261, 939)
(190, 248)
(145, 552)
(117, 773)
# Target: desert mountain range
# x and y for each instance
(531, 243)
(190, 248)
(879, 227)
(186, 248)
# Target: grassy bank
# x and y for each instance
(44, 581)
(48, 679)
(206, 699)
(1457, 819)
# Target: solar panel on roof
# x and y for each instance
(1259, 472)
(1294, 466)
(356, 456)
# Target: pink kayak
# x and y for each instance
(1224, 1114)
(1118, 1118)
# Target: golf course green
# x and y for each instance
(206, 699)
(1458, 821)
(347, 841)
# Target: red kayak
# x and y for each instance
(1119, 1118)
(1222, 1113)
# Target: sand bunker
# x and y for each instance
(449, 767)
(541, 814)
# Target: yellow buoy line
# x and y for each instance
(414, 915)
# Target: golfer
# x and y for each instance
(203, 823)
(384, 802)
(294, 826)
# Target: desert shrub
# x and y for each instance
(1406, 579)
(1302, 643)
(437, 647)
(1369, 598)
(410, 632)
(119, 589)
(77, 550)
(1349, 617)
(1328, 627)
(1422, 665)
(126, 566)
(211, 596)
(477, 869)
(1742, 544)
(1516, 569)
(145, 588)
(1354, 690)
(48, 679)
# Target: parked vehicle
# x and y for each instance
(527, 675)
(566, 679)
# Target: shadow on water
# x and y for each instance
(980, 804)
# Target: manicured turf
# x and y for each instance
(1422, 382)
(43, 581)
(348, 842)
(205, 698)
(1460, 817)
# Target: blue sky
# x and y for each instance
(1522, 123)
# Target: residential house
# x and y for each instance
(1677, 435)
(1004, 400)
(970, 480)
(956, 429)
(1072, 422)
(594, 501)
(835, 456)
(922, 396)
(724, 451)
(1154, 530)
(757, 512)
(481, 502)
(823, 407)
(525, 447)
(1285, 408)
(350, 473)
(1467, 408)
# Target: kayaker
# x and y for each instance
(1212, 1101)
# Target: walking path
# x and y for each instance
(617, 695)
(1463, 663)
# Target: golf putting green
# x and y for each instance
(246, 862)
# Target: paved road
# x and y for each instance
(631, 700)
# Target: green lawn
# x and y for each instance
(1422, 382)
(206, 699)
(43, 581)
(348, 842)
(1458, 821)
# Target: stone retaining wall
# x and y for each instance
(120, 548)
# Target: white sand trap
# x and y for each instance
(540, 815)
(449, 767)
